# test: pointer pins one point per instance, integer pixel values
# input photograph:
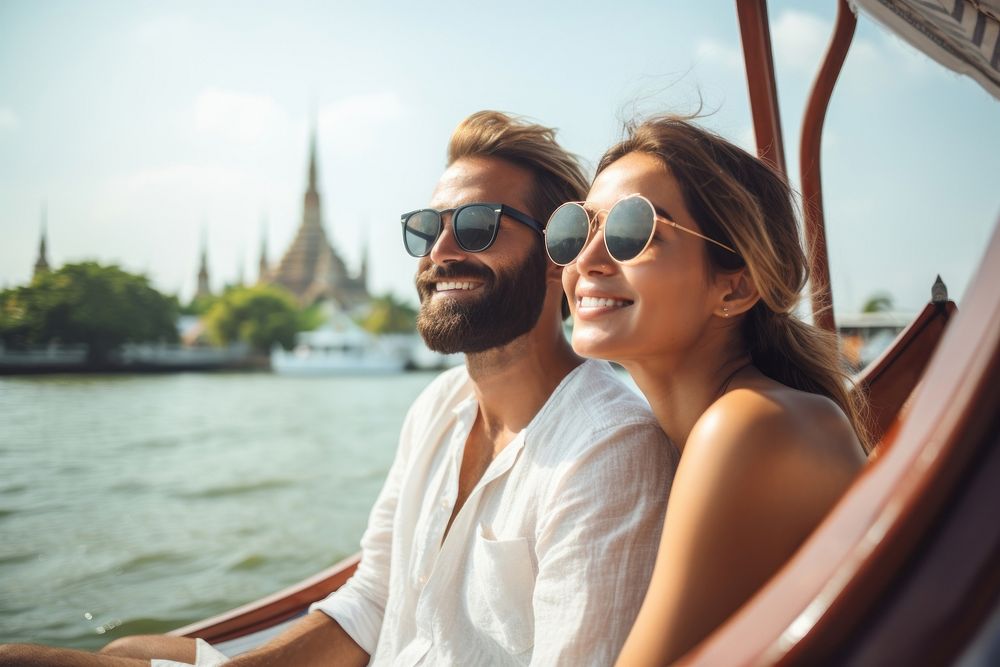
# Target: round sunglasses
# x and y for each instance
(475, 226)
(628, 229)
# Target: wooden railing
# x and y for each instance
(274, 609)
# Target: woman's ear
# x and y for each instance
(738, 293)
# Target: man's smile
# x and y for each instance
(456, 286)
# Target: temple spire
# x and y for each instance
(312, 160)
(240, 269)
(310, 206)
(42, 263)
(204, 289)
(363, 276)
(262, 263)
(311, 268)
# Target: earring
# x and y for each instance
(725, 311)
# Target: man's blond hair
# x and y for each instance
(558, 176)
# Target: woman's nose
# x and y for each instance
(594, 257)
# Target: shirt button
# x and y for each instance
(422, 580)
(445, 503)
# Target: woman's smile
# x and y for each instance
(592, 303)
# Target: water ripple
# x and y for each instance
(149, 560)
(14, 559)
(249, 563)
(238, 489)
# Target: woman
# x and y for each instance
(684, 265)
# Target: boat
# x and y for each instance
(422, 358)
(905, 569)
(339, 347)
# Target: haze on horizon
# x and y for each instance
(141, 126)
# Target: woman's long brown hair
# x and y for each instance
(741, 201)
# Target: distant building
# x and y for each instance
(864, 336)
(42, 263)
(204, 288)
(262, 270)
(311, 268)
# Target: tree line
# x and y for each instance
(104, 307)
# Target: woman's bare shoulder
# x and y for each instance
(758, 472)
(766, 423)
(783, 457)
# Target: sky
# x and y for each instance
(142, 127)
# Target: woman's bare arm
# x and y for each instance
(758, 473)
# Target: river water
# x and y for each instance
(140, 503)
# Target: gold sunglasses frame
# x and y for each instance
(593, 225)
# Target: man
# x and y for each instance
(520, 519)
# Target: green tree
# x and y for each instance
(388, 315)
(200, 305)
(259, 316)
(100, 306)
(312, 317)
(879, 302)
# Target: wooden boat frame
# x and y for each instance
(906, 568)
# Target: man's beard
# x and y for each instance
(509, 306)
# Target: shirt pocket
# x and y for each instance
(503, 572)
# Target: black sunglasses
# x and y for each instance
(628, 229)
(475, 226)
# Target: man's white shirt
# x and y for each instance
(549, 558)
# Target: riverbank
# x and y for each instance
(173, 358)
(130, 358)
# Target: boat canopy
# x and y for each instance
(962, 35)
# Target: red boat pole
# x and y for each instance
(809, 165)
(756, 39)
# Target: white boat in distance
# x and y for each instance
(340, 347)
